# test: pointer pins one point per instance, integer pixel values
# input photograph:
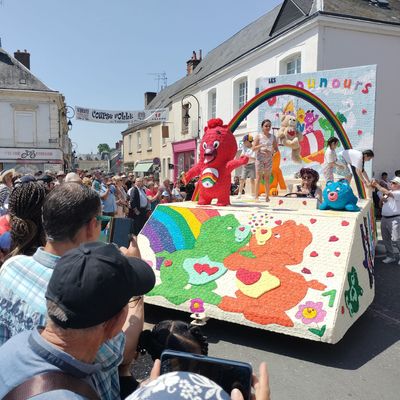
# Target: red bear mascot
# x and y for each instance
(217, 152)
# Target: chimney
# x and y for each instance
(193, 63)
(24, 58)
(148, 97)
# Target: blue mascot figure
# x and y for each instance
(339, 196)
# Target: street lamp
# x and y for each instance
(187, 106)
(69, 112)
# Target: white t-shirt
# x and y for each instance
(353, 157)
(330, 156)
(249, 153)
(392, 205)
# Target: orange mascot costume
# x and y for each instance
(217, 152)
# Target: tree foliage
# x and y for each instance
(103, 147)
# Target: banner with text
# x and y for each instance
(106, 116)
(349, 93)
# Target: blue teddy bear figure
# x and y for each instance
(339, 196)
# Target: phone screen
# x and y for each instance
(226, 373)
(121, 228)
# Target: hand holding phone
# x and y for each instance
(133, 249)
(228, 374)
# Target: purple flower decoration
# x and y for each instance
(311, 312)
(196, 306)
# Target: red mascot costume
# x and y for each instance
(217, 152)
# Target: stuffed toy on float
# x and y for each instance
(289, 136)
(218, 149)
(339, 196)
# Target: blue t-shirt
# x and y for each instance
(28, 354)
(109, 203)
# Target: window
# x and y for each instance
(212, 104)
(130, 144)
(185, 119)
(25, 128)
(240, 89)
(293, 66)
(139, 142)
(242, 93)
(149, 139)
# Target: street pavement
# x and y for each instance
(364, 365)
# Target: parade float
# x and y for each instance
(285, 266)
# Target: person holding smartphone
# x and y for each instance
(179, 384)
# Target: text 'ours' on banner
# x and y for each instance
(348, 94)
(107, 116)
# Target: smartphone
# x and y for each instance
(228, 374)
(120, 231)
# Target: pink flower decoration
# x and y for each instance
(311, 312)
(197, 306)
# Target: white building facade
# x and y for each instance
(298, 36)
(33, 123)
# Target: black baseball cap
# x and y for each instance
(46, 178)
(94, 282)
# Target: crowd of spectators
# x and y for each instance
(71, 321)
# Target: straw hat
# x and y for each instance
(6, 172)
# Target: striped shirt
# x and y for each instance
(23, 283)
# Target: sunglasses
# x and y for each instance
(307, 177)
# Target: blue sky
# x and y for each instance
(99, 53)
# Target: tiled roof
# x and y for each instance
(270, 25)
(14, 75)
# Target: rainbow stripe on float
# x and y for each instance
(306, 95)
(173, 228)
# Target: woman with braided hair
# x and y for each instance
(173, 335)
(25, 209)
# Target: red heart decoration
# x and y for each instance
(291, 133)
(342, 309)
(333, 238)
(313, 220)
(248, 277)
(306, 271)
(305, 202)
(337, 253)
(200, 268)
(280, 202)
(284, 159)
(330, 274)
(278, 222)
(359, 132)
(313, 254)
(271, 101)
(345, 223)
(167, 263)
(364, 111)
(264, 231)
(241, 228)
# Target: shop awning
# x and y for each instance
(143, 166)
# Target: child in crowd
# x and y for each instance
(330, 159)
(248, 170)
(173, 335)
(265, 145)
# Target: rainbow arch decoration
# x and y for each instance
(175, 228)
(306, 95)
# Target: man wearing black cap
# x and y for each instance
(70, 218)
(87, 304)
